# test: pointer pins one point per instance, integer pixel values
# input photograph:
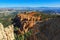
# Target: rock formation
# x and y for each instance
(44, 30)
(25, 21)
(6, 33)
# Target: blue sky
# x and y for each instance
(29, 3)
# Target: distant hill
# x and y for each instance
(48, 10)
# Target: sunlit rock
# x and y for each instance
(6, 33)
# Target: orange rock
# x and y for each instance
(31, 19)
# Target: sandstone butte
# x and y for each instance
(28, 20)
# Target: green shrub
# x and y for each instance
(23, 36)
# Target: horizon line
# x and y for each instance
(19, 7)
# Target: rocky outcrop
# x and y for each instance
(6, 33)
(25, 21)
(48, 29)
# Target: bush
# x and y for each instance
(23, 36)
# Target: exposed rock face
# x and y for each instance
(6, 33)
(26, 21)
(45, 30)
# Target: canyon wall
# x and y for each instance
(6, 33)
